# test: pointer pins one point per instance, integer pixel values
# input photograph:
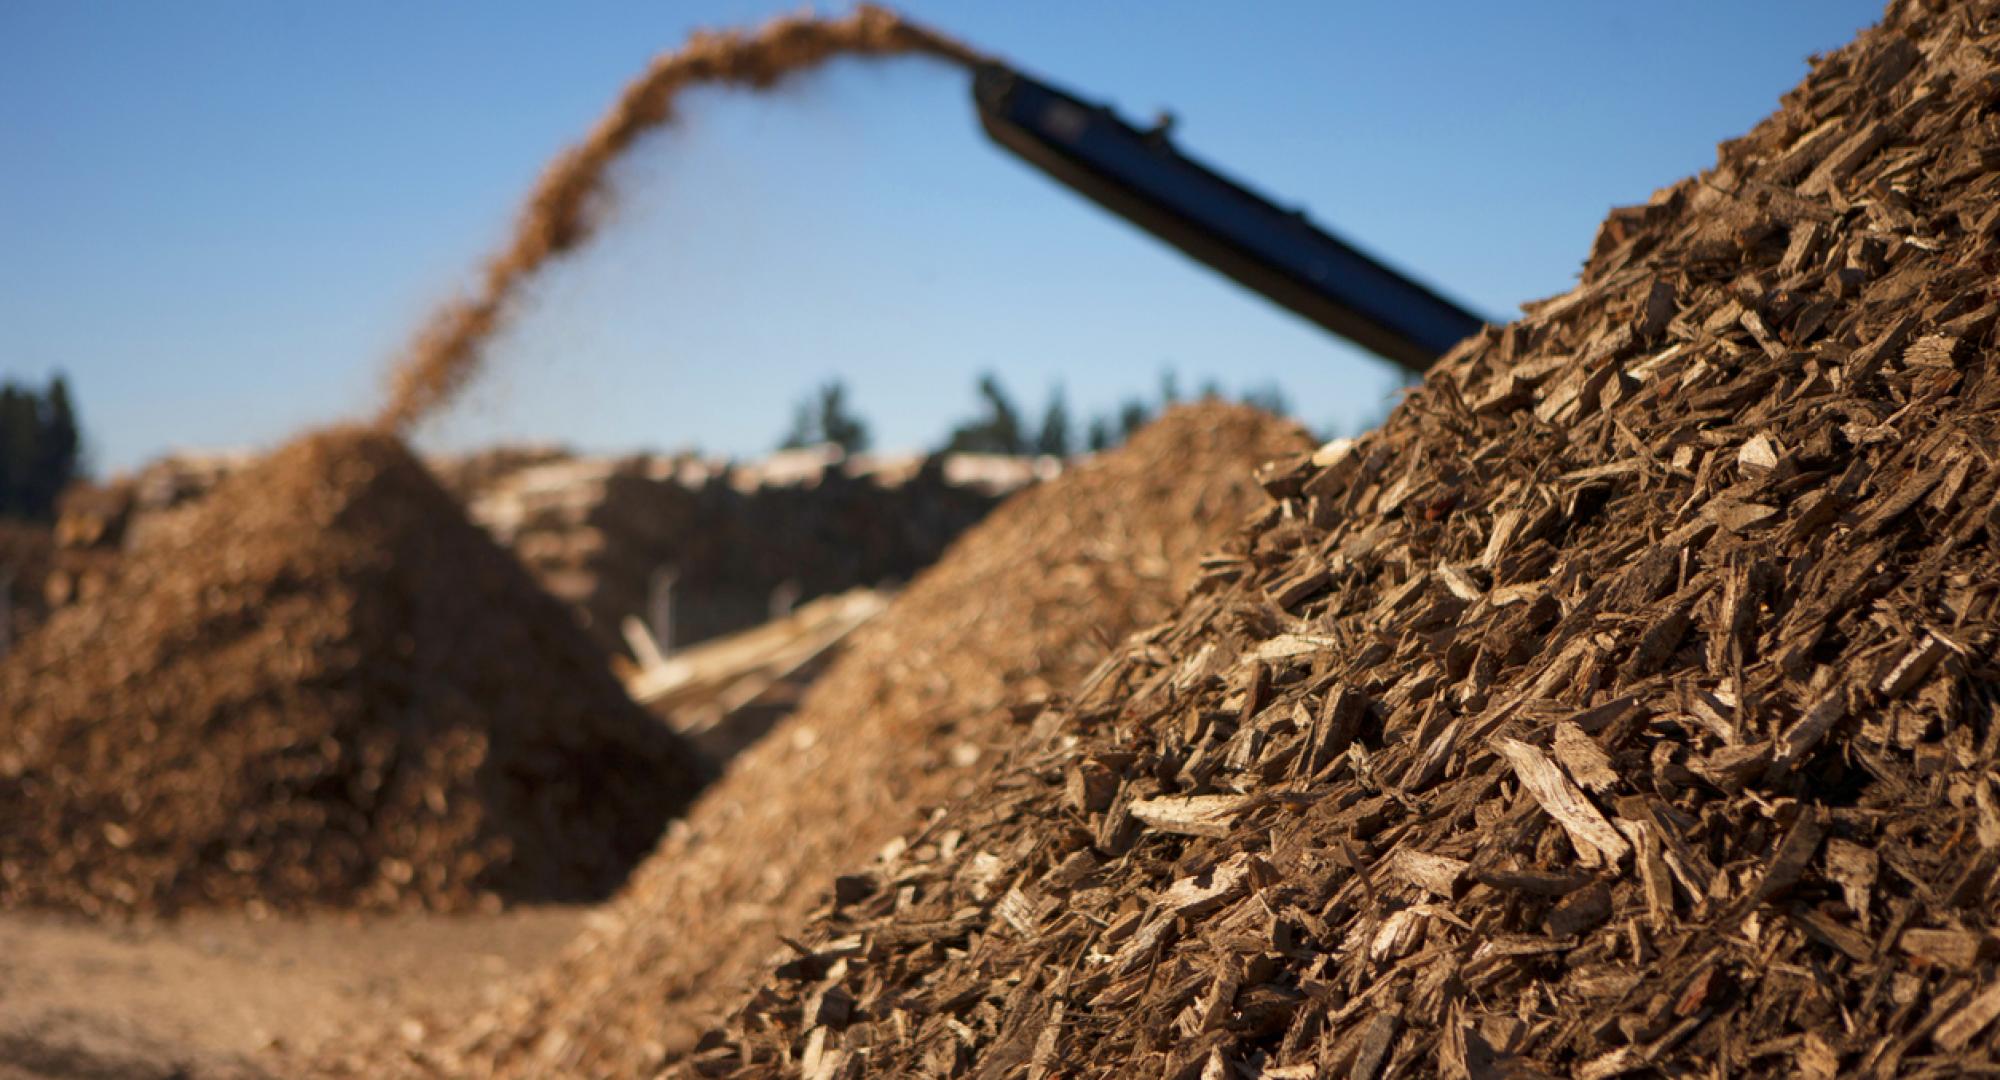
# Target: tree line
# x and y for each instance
(1000, 426)
(41, 448)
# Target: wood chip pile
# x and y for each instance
(1625, 706)
(1021, 607)
(96, 523)
(122, 511)
(324, 686)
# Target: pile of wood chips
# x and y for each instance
(1625, 706)
(323, 686)
(1025, 603)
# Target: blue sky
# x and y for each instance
(221, 219)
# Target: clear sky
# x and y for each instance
(222, 218)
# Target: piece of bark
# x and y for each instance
(1437, 874)
(1597, 842)
(1912, 667)
(1855, 868)
(1800, 739)
(1191, 815)
(1958, 1031)
(1961, 949)
(1788, 864)
(1585, 760)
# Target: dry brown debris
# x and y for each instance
(924, 699)
(323, 686)
(1625, 706)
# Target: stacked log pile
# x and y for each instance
(467, 475)
(323, 686)
(609, 536)
(922, 700)
(1626, 705)
(723, 695)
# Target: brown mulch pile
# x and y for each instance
(1625, 706)
(323, 687)
(1020, 608)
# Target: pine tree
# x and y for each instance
(836, 424)
(1004, 419)
(1099, 438)
(60, 445)
(41, 448)
(1269, 397)
(18, 428)
(1054, 438)
(804, 431)
(823, 417)
(1132, 416)
(998, 431)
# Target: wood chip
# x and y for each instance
(1597, 842)
(1191, 815)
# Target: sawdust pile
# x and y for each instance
(567, 205)
(927, 696)
(324, 686)
(1625, 706)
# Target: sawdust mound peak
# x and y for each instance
(327, 687)
(1019, 609)
(1625, 706)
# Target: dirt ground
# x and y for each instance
(222, 996)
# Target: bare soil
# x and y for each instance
(218, 996)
